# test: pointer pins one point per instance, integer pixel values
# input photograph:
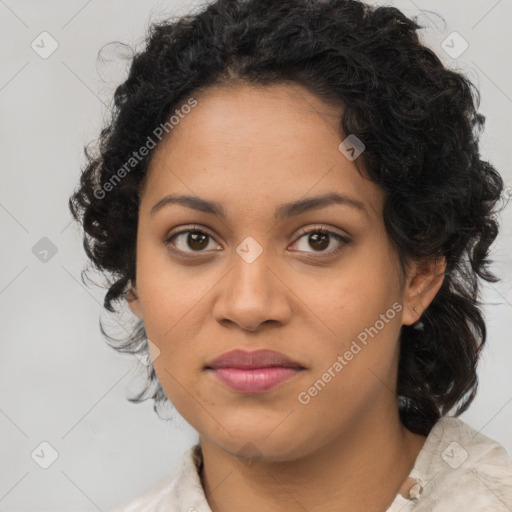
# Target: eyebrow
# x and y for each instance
(284, 211)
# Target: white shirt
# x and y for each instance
(458, 469)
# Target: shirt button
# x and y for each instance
(415, 491)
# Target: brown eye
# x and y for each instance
(320, 239)
(189, 241)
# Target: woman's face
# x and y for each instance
(258, 280)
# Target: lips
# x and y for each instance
(244, 360)
(253, 372)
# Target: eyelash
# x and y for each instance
(196, 229)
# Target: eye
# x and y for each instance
(192, 238)
(321, 238)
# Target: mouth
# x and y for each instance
(253, 372)
(255, 380)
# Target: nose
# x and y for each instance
(252, 294)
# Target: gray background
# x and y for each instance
(60, 382)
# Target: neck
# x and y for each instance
(362, 469)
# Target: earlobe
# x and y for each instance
(133, 301)
(421, 288)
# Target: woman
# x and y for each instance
(291, 200)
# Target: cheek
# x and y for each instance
(168, 291)
(172, 303)
(358, 309)
(352, 296)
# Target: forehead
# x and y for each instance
(257, 143)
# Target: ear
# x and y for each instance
(422, 284)
(133, 301)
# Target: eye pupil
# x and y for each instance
(320, 237)
(193, 239)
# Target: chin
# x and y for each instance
(263, 442)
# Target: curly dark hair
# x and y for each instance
(417, 119)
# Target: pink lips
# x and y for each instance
(253, 372)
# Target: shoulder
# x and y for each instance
(460, 468)
(179, 492)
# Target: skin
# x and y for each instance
(253, 148)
